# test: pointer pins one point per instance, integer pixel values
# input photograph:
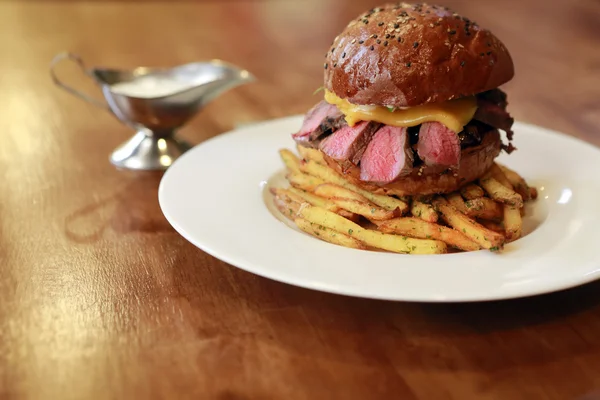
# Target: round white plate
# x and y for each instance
(217, 197)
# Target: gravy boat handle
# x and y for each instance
(76, 59)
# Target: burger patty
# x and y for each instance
(398, 150)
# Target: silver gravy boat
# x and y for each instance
(154, 115)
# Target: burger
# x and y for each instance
(411, 101)
(400, 153)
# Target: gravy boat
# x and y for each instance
(136, 98)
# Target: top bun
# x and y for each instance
(405, 55)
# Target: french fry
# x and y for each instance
(308, 153)
(471, 191)
(424, 211)
(418, 228)
(518, 183)
(533, 193)
(349, 215)
(331, 190)
(291, 161)
(496, 172)
(367, 210)
(354, 202)
(492, 226)
(327, 174)
(457, 201)
(314, 199)
(285, 209)
(513, 223)
(292, 200)
(288, 195)
(304, 181)
(376, 239)
(513, 216)
(328, 234)
(476, 232)
(485, 208)
(501, 193)
(285, 204)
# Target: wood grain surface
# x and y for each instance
(100, 298)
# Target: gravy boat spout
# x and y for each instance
(156, 102)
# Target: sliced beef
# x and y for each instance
(387, 156)
(495, 96)
(321, 119)
(494, 115)
(469, 136)
(491, 110)
(438, 145)
(472, 133)
(349, 142)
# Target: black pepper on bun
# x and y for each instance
(404, 55)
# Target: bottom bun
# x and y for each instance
(426, 180)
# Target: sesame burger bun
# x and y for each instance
(426, 180)
(404, 55)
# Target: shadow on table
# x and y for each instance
(339, 329)
(132, 207)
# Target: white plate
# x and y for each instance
(216, 196)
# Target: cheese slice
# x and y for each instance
(454, 114)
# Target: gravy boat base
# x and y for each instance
(148, 152)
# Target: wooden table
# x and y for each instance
(100, 298)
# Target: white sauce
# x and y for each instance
(151, 86)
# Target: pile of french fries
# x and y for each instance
(485, 214)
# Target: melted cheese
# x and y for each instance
(454, 114)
